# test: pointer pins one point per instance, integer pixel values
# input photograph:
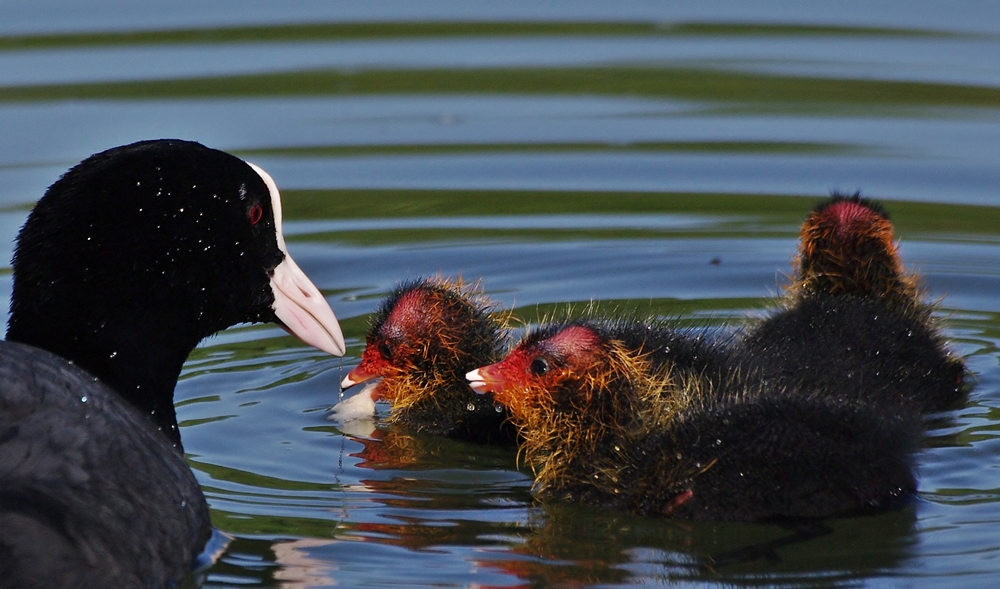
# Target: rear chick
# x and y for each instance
(853, 322)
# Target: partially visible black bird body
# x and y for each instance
(853, 323)
(124, 265)
(640, 416)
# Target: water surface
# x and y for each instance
(638, 155)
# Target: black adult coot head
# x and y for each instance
(126, 263)
(139, 252)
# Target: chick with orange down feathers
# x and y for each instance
(634, 415)
(422, 340)
(853, 321)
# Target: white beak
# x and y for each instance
(297, 301)
(303, 310)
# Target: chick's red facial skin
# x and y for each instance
(529, 374)
(372, 365)
(377, 359)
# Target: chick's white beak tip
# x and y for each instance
(476, 381)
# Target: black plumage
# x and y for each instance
(123, 266)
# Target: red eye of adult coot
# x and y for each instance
(255, 214)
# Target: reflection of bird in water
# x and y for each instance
(632, 415)
(566, 545)
(394, 450)
(298, 569)
(423, 338)
(853, 323)
(428, 482)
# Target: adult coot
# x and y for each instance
(123, 266)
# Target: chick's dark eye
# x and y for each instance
(255, 214)
(539, 366)
(385, 350)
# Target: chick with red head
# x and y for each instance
(638, 416)
(422, 340)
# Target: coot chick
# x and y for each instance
(853, 322)
(422, 340)
(124, 265)
(614, 419)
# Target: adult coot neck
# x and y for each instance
(140, 361)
